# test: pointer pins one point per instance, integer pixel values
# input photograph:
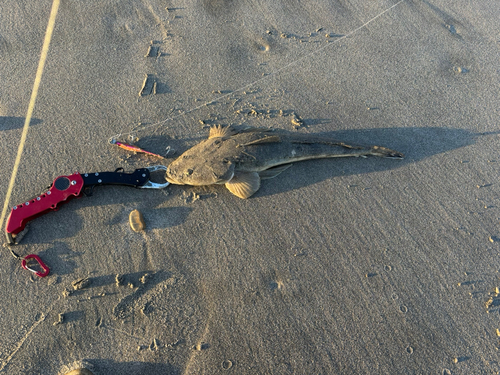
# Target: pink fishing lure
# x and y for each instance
(132, 148)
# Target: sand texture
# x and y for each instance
(336, 266)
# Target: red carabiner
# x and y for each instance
(37, 258)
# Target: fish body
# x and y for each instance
(240, 158)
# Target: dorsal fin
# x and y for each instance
(217, 131)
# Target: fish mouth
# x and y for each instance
(172, 180)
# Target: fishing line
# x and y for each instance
(294, 62)
(31, 106)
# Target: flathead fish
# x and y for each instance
(240, 158)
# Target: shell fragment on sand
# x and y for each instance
(136, 221)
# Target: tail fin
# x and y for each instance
(385, 152)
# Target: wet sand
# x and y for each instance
(348, 266)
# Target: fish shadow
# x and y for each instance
(10, 122)
(416, 143)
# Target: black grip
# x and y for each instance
(136, 179)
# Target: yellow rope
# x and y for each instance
(36, 85)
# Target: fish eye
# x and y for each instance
(189, 172)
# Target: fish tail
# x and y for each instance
(385, 152)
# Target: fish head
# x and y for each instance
(210, 162)
(196, 171)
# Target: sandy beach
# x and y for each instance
(336, 266)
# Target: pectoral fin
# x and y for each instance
(244, 184)
(273, 172)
